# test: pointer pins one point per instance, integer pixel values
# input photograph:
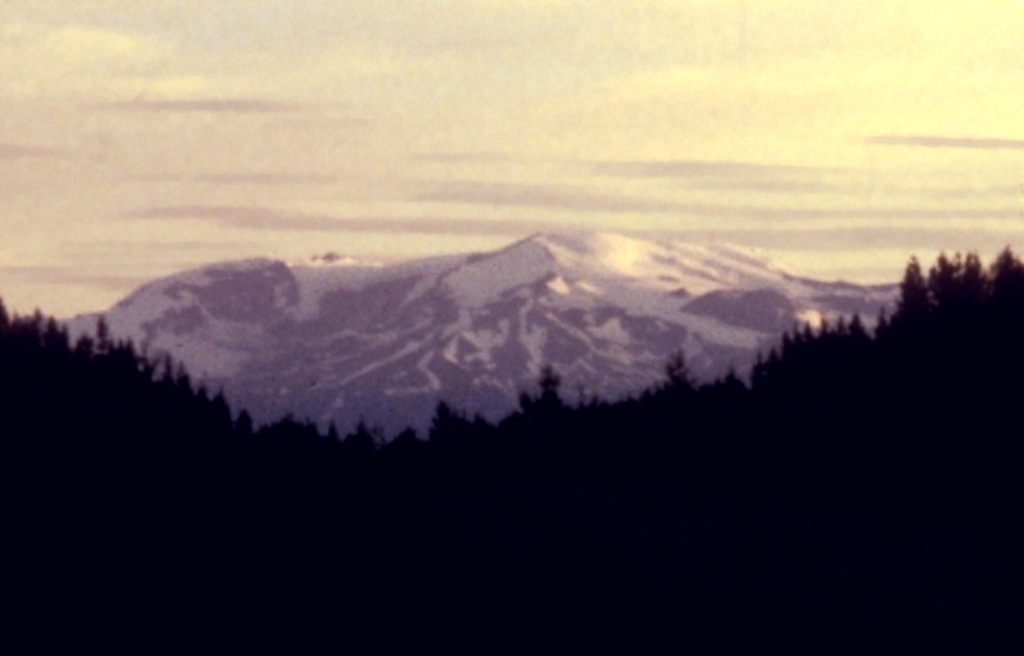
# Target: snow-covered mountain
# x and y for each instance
(334, 339)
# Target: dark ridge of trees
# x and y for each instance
(862, 494)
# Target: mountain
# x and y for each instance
(336, 339)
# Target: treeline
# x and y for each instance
(865, 484)
(933, 386)
(920, 415)
(925, 410)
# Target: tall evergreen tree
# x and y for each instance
(1007, 273)
(913, 295)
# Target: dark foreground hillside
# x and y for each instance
(862, 495)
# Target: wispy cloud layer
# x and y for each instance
(536, 195)
(262, 218)
(233, 215)
(705, 174)
(925, 141)
(461, 158)
(766, 186)
(702, 169)
(237, 106)
(924, 241)
(1005, 191)
(583, 199)
(231, 179)
(12, 151)
(267, 179)
(61, 275)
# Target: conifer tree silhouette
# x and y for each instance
(913, 295)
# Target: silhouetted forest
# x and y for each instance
(861, 492)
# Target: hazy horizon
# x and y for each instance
(142, 138)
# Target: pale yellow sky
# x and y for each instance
(141, 137)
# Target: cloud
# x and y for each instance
(581, 199)
(262, 179)
(233, 215)
(1006, 191)
(537, 195)
(768, 186)
(894, 213)
(267, 179)
(64, 275)
(232, 179)
(460, 158)
(906, 239)
(705, 174)
(701, 169)
(261, 218)
(13, 151)
(924, 141)
(236, 106)
(36, 272)
(153, 177)
(148, 253)
(78, 63)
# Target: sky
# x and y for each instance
(837, 138)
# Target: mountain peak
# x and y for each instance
(589, 250)
(583, 242)
(603, 255)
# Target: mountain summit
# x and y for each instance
(333, 339)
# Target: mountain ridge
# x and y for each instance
(346, 341)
